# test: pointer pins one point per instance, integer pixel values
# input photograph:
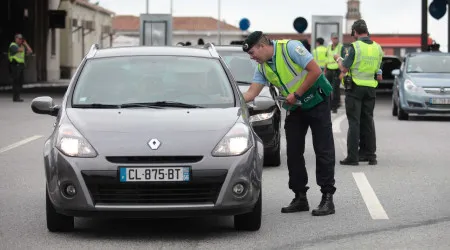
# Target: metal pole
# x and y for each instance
(146, 5)
(448, 26)
(171, 7)
(424, 35)
(218, 23)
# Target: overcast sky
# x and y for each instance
(382, 16)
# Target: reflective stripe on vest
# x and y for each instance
(320, 55)
(331, 63)
(288, 76)
(19, 57)
(366, 64)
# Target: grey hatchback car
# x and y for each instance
(152, 132)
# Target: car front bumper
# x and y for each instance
(425, 103)
(100, 193)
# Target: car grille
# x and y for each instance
(437, 91)
(105, 188)
(153, 159)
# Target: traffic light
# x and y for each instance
(438, 8)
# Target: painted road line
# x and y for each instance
(20, 143)
(374, 206)
(337, 123)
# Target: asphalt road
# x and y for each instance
(403, 202)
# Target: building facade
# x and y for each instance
(184, 29)
(87, 23)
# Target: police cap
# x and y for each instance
(251, 40)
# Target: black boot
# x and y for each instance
(298, 204)
(325, 207)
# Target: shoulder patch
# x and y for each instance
(300, 50)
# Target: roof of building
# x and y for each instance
(385, 40)
(131, 23)
(92, 6)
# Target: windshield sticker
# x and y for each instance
(83, 99)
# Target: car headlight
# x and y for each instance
(411, 87)
(262, 116)
(236, 142)
(71, 143)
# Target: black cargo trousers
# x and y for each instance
(296, 126)
(361, 136)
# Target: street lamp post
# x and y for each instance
(146, 5)
(218, 24)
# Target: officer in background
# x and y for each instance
(287, 65)
(332, 70)
(320, 53)
(362, 63)
(16, 56)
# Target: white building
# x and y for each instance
(86, 24)
(184, 29)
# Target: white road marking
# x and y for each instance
(337, 123)
(374, 206)
(20, 143)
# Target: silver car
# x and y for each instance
(152, 132)
(422, 85)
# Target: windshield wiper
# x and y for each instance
(160, 104)
(96, 106)
(244, 82)
(414, 71)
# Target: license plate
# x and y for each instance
(154, 174)
(439, 100)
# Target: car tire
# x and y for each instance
(250, 221)
(273, 158)
(57, 222)
(394, 108)
(402, 115)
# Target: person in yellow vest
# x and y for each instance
(362, 64)
(16, 57)
(320, 53)
(287, 65)
(332, 71)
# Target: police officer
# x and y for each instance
(287, 65)
(16, 56)
(362, 64)
(332, 70)
(320, 53)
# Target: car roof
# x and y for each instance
(229, 48)
(428, 53)
(205, 51)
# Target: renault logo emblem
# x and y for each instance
(154, 144)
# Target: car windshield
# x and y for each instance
(153, 79)
(240, 64)
(428, 64)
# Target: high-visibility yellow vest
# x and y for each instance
(289, 76)
(331, 63)
(367, 61)
(320, 55)
(19, 57)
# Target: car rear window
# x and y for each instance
(241, 66)
(428, 64)
(130, 79)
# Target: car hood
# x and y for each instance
(262, 102)
(430, 80)
(126, 132)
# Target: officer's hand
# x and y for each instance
(341, 75)
(290, 99)
(336, 57)
(380, 77)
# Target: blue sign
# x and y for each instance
(438, 8)
(300, 24)
(244, 24)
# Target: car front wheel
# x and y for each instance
(57, 222)
(250, 221)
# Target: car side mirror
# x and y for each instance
(395, 72)
(44, 105)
